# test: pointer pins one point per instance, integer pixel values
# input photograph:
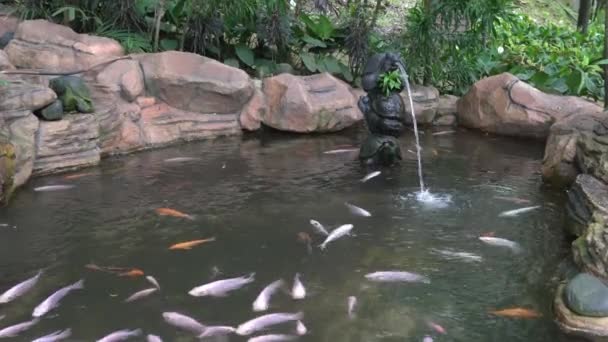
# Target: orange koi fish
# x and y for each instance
(189, 244)
(135, 272)
(172, 212)
(78, 175)
(517, 313)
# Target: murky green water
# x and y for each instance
(255, 196)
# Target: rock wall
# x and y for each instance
(141, 101)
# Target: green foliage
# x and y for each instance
(132, 42)
(390, 82)
(553, 58)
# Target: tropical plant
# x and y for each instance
(390, 82)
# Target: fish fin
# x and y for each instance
(137, 332)
(79, 285)
(299, 315)
(251, 276)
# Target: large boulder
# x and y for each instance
(40, 44)
(303, 104)
(162, 124)
(253, 112)
(503, 104)
(592, 150)
(67, 144)
(426, 104)
(559, 163)
(447, 110)
(123, 78)
(119, 130)
(7, 163)
(587, 295)
(194, 83)
(19, 96)
(587, 196)
(5, 63)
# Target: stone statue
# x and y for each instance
(384, 114)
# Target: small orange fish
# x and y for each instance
(438, 328)
(189, 244)
(304, 237)
(517, 313)
(172, 212)
(135, 272)
(78, 175)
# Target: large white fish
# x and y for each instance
(515, 212)
(153, 281)
(500, 242)
(141, 294)
(351, 304)
(219, 330)
(465, 256)
(57, 187)
(397, 276)
(336, 234)
(16, 329)
(153, 338)
(19, 289)
(180, 159)
(184, 322)
(357, 211)
(272, 338)
(263, 322)
(220, 288)
(318, 227)
(301, 328)
(341, 150)
(53, 300)
(261, 302)
(427, 338)
(121, 335)
(298, 291)
(55, 336)
(370, 176)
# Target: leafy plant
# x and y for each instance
(390, 82)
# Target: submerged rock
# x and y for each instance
(593, 328)
(503, 104)
(305, 104)
(587, 295)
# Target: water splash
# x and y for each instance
(418, 149)
(434, 201)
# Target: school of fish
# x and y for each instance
(223, 287)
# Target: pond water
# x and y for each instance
(254, 196)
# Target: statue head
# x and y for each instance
(377, 65)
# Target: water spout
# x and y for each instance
(418, 149)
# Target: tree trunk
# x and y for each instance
(376, 13)
(584, 12)
(606, 54)
(160, 13)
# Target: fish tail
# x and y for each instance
(298, 315)
(136, 332)
(190, 217)
(322, 246)
(79, 285)
(251, 276)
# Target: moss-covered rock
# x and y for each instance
(73, 93)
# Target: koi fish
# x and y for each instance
(189, 244)
(78, 175)
(133, 273)
(512, 213)
(516, 200)
(517, 313)
(173, 213)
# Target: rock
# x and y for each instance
(586, 295)
(503, 104)
(8, 24)
(52, 112)
(23, 96)
(119, 130)
(586, 196)
(592, 151)
(161, 124)
(380, 150)
(73, 93)
(123, 77)
(7, 169)
(194, 83)
(67, 144)
(253, 112)
(5, 64)
(426, 103)
(591, 328)
(23, 137)
(145, 101)
(40, 44)
(559, 163)
(446, 120)
(317, 103)
(447, 105)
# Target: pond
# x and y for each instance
(256, 197)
